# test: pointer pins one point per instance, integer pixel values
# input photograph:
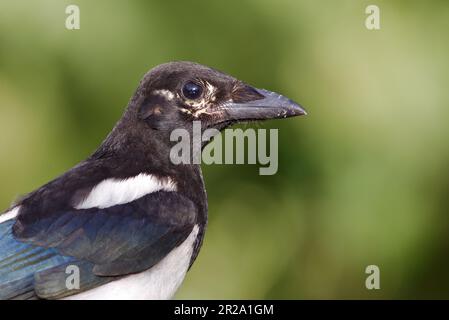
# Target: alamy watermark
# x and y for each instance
(372, 21)
(228, 148)
(373, 280)
(72, 281)
(72, 22)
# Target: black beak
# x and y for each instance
(271, 106)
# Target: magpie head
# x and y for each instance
(175, 94)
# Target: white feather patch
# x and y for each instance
(158, 283)
(164, 93)
(9, 215)
(112, 192)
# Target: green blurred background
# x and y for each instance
(362, 180)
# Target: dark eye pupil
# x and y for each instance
(192, 90)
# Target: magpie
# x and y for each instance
(127, 223)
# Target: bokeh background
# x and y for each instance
(362, 180)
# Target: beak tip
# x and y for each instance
(298, 110)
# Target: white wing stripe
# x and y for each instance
(112, 192)
(9, 215)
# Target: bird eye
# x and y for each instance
(192, 91)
